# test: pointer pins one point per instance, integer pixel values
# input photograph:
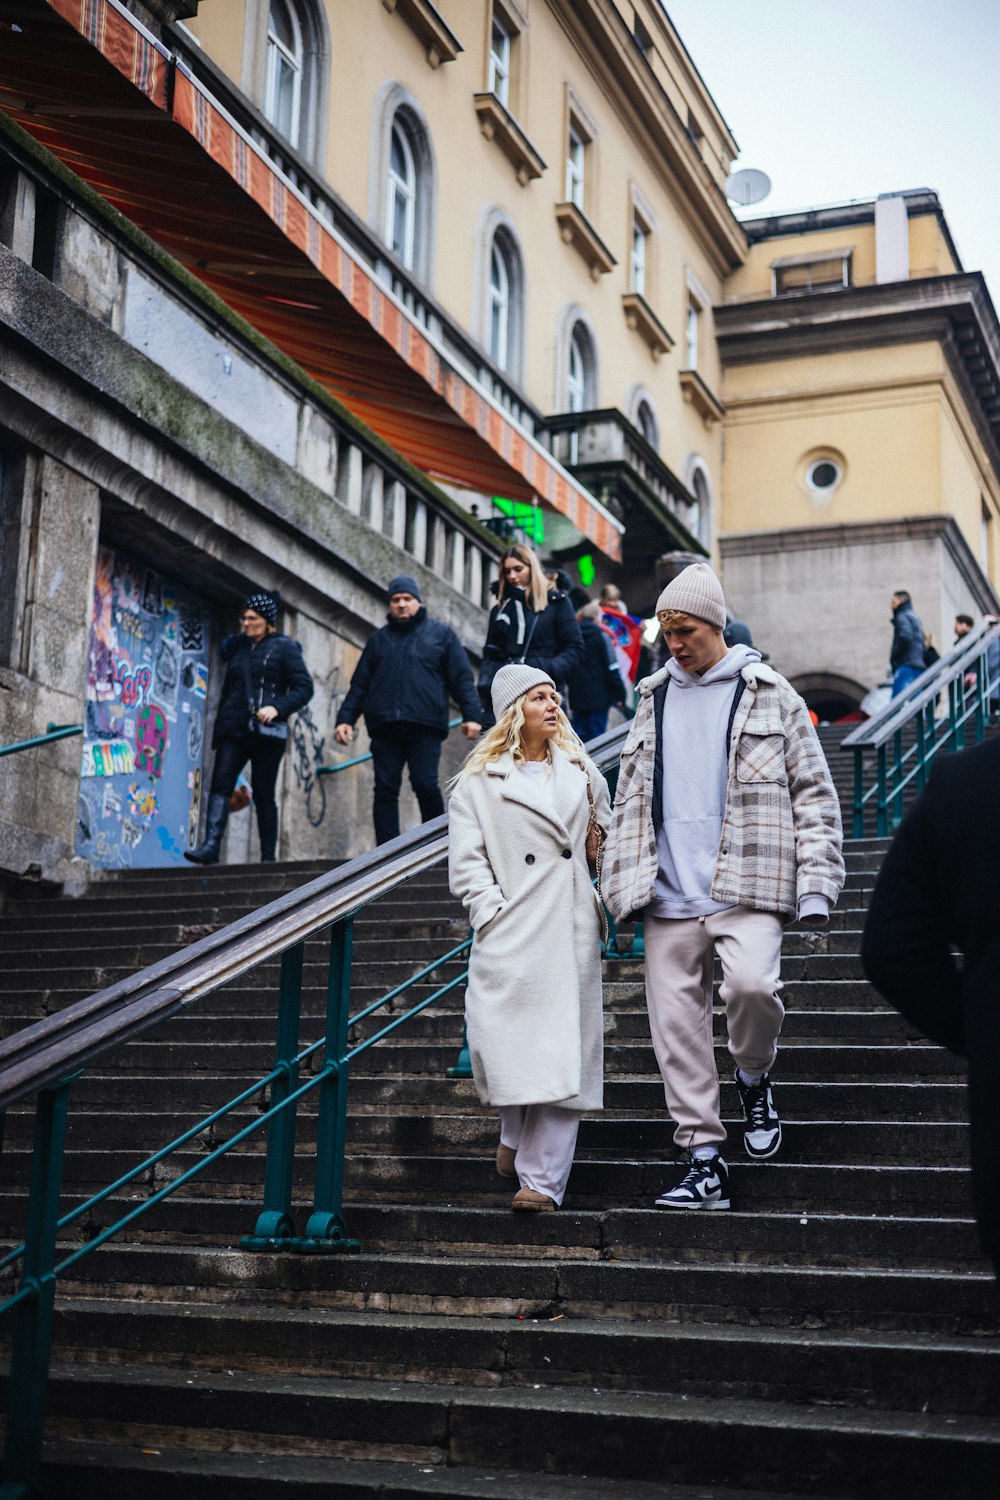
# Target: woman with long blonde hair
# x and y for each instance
(518, 819)
(531, 622)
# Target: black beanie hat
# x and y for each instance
(265, 605)
(403, 584)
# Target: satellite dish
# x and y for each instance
(747, 186)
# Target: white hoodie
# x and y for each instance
(695, 777)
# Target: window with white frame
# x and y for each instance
(499, 76)
(699, 514)
(284, 70)
(576, 156)
(692, 333)
(576, 372)
(638, 257)
(401, 202)
(500, 299)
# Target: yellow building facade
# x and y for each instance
(543, 180)
(861, 454)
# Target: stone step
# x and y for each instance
(290, 1436)
(882, 1240)
(911, 1372)
(784, 1185)
(940, 1302)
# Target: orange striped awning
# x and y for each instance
(111, 102)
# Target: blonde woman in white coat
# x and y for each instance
(518, 821)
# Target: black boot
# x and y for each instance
(207, 853)
(267, 827)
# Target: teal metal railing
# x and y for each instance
(894, 750)
(53, 732)
(356, 760)
(45, 1059)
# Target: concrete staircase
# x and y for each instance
(835, 1334)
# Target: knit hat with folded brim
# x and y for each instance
(510, 682)
(695, 591)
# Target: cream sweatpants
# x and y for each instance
(544, 1139)
(679, 965)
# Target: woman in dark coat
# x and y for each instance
(266, 681)
(531, 622)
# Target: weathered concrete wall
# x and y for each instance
(219, 471)
(818, 599)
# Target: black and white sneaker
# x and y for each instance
(705, 1184)
(762, 1135)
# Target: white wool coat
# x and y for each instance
(533, 1001)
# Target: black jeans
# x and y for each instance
(393, 747)
(264, 753)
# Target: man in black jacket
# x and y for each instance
(939, 889)
(594, 682)
(402, 685)
(906, 658)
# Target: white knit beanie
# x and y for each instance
(511, 681)
(698, 592)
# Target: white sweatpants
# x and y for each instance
(544, 1138)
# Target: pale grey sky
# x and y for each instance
(838, 99)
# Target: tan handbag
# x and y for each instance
(594, 844)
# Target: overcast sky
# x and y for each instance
(838, 99)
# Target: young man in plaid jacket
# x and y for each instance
(726, 825)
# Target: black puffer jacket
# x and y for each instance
(595, 682)
(550, 640)
(278, 675)
(907, 638)
(406, 674)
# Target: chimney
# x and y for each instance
(892, 238)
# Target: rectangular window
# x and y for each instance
(575, 165)
(693, 334)
(828, 273)
(499, 79)
(637, 262)
(640, 35)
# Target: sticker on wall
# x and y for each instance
(145, 775)
(194, 808)
(108, 758)
(151, 740)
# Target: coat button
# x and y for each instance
(529, 859)
(567, 854)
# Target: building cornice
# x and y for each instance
(953, 311)
(602, 36)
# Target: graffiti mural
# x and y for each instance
(307, 754)
(141, 771)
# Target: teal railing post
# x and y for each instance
(325, 1230)
(462, 1066)
(32, 1335)
(882, 795)
(274, 1224)
(897, 778)
(858, 827)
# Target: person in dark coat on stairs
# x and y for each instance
(531, 622)
(595, 682)
(906, 657)
(402, 685)
(939, 890)
(266, 682)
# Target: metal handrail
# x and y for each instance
(47, 1057)
(359, 760)
(52, 733)
(899, 767)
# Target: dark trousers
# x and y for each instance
(393, 747)
(264, 754)
(590, 723)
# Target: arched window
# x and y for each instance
(284, 70)
(645, 420)
(500, 296)
(699, 518)
(576, 373)
(401, 202)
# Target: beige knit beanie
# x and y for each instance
(696, 591)
(513, 680)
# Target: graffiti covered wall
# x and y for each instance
(147, 684)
